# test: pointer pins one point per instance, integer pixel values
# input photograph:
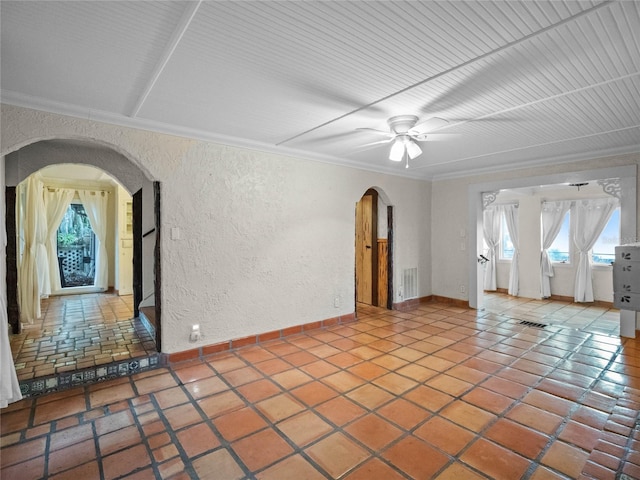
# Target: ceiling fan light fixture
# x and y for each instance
(397, 150)
(413, 150)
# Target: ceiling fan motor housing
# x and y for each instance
(402, 123)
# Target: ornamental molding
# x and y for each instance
(489, 197)
(611, 186)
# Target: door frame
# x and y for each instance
(389, 257)
(13, 311)
(137, 251)
(157, 278)
(390, 246)
(626, 173)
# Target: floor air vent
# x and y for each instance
(533, 324)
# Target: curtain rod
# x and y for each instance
(53, 189)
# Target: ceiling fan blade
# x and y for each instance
(376, 132)
(367, 146)
(429, 125)
(379, 142)
(435, 137)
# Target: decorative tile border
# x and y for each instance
(87, 376)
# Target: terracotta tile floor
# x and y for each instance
(79, 331)
(437, 392)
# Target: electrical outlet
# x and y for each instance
(463, 289)
(195, 333)
(336, 302)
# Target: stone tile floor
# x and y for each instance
(77, 332)
(436, 392)
(594, 318)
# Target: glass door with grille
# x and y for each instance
(76, 248)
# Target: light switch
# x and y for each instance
(175, 233)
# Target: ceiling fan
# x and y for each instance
(405, 133)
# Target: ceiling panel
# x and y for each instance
(96, 55)
(519, 82)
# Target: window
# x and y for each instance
(603, 252)
(506, 246)
(559, 251)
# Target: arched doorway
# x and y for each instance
(144, 219)
(374, 247)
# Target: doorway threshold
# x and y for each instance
(88, 376)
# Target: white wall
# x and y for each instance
(450, 212)
(266, 241)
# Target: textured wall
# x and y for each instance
(262, 241)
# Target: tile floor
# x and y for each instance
(437, 392)
(587, 317)
(79, 331)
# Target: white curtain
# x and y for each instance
(42, 263)
(590, 218)
(9, 385)
(551, 218)
(491, 229)
(34, 258)
(95, 204)
(511, 217)
(56, 202)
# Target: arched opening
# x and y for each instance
(130, 261)
(374, 250)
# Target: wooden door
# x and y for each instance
(366, 249)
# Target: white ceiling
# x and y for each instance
(520, 82)
(73, 173)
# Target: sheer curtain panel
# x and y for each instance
(511, 217)
(491, 228)
(42, 263)
(551, 217)
(590, 218)
(34, 262)
(56, 202)
(95, 204)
